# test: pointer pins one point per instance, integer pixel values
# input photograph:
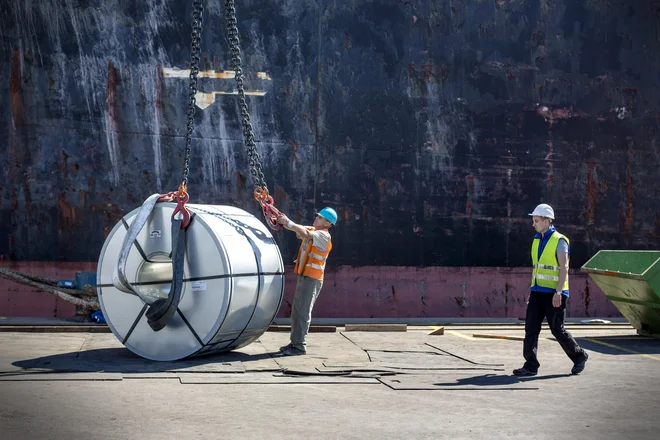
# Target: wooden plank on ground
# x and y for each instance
(376, 327)
(438, 331)
(486, 336)
(55, 328)
(312, 328)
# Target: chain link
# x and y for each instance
(192, 88)
(252, 154)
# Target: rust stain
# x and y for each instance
(240, 181)
(111, 90)
(470, 184)
(112, 212)
(16, 90)
(551, 172)
(280, 195)
(630, 192)
(306, 117)
(592, 193)
(67, 214)
(444, 73)
(655, 233)
(26, 192)
(538, 37)
(630, 90)
(158, 100)
(346, 214)
(12, 162)
(18, 116)
(428, 72)
(551, 115)
(64, 166)
(132, 198)
(294, 149)
(83, 198)
(11, 252)
(43, 222)
(143, 97)
(382, 187)
(427, 210)
(411, 69)
(470, 194)
(14, 199)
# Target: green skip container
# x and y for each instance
(631, 280)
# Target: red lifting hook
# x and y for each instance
(181, 208)
(267, 206)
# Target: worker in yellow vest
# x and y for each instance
(549, 292)
(310, 267)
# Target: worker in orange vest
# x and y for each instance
(310, 266)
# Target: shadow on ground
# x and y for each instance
(121, 360)
(493, 380)
(621, 345)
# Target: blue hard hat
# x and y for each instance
(329, 214)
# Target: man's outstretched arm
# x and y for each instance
(300, 230)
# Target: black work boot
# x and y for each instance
(578, 367)
(293, 351)
(523, 372)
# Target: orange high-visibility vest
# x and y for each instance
(314, 264)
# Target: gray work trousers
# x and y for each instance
(307, 290)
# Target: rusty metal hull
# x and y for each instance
(432, 127)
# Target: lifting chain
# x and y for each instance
(260, 189)
(180, 196)
(194, 70)
(253, 155)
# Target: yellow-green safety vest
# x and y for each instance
(545, 271)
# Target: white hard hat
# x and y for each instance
(544, 210)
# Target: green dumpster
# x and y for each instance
(631, 280)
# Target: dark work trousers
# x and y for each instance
(539, 307)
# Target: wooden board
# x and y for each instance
(376, 327)
(97, 328)
(485, 336)
(312, 328)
